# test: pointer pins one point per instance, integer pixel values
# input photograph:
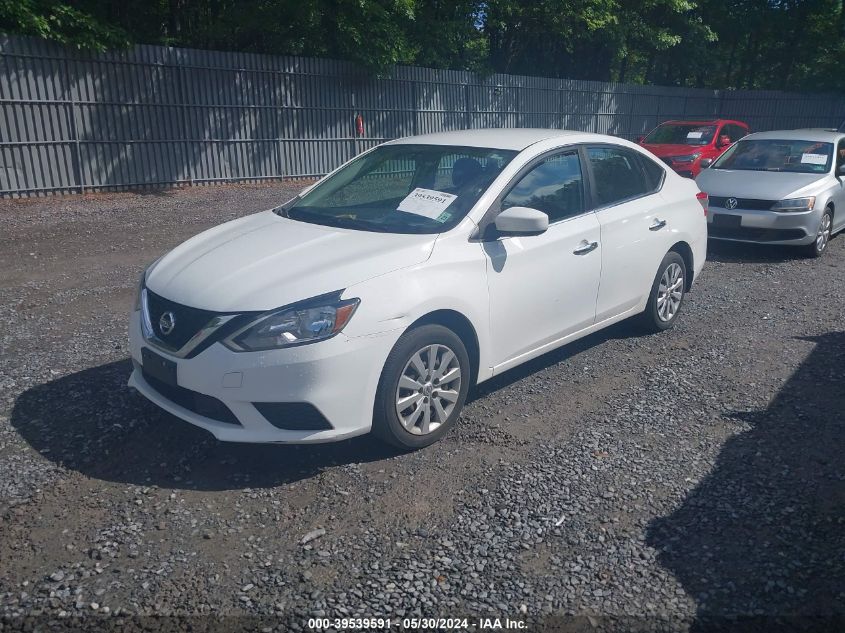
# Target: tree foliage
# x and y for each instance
(784, 44)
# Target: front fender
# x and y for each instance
(453, 278)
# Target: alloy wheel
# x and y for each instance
(670, 292)
(428, 389)
(823, 236)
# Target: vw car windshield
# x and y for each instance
(679, 134)
(806, 157)
(402, 189)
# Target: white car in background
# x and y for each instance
(781, 187)
(375, 299)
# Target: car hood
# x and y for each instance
(674, 150)
(264, 261)
(759, 185)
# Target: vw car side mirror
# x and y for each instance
(840, 171)
(706, 162)
(521, 221)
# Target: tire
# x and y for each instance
(819, 247)
(413, 430)
(658, 316)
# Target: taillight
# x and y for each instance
(704, 199)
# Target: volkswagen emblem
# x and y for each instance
(731, 203)
(166, 323)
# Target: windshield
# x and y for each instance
(806, 157)
(402, 189)
(681, 134)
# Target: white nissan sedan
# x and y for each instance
(376, 298)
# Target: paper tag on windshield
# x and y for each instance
(814, 159)
(426, 202)
(694, 134)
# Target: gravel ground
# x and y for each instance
(691, 480)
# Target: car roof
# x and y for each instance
(498, 138)
(703, 121)
(820, 135)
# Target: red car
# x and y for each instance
(684, 144)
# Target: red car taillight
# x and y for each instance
(704, 199)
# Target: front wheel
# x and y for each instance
(422, 388)
(667, 294)
(817, 248)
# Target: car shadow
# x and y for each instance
(764, 532)
(93, 423)
(622, 330)
(744, 252)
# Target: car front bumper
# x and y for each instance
(328, 387)
(763, 227)
(687, 170)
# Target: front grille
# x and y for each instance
(751, 204)
(193, 401)
(293, 416)
(188, 321)
(755, 234)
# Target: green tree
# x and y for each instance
(788, 44)
(61, 22)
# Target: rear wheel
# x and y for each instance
(423, 387)
(667, 294)
(817, 248)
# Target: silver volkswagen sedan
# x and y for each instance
(783, 187)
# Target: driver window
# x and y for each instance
(554, 186)
(840, 155)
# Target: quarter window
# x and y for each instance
(554, 186)
(654, 173)
(617, 175)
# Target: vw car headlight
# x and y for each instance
(687, 158)
(305, 322)
(795, 204)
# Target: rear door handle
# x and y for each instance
(585, 247)
(657, 225)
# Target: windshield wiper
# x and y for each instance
(342, 223)
(351, 223)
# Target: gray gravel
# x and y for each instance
(626, 482)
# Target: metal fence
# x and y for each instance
(157, 116)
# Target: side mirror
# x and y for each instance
(521, 221)
(840, 171)
(705, 163)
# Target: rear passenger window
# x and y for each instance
(554, 187)
(617, 175)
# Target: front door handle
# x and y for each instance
(585, 247)
(657, 225)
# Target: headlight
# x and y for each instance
(688, 158)
(141, 282)
(306, 322)
(795, 204)
(137, 305)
